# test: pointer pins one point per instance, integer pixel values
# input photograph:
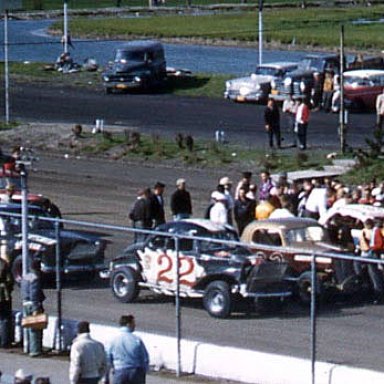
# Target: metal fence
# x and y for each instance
(120, 236)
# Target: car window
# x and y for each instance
(267, 237)
(157, 242)
(312, 233)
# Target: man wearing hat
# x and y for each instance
(230, 203)
(218, 213)
(157, 205)
(21, 377)
(181, 204)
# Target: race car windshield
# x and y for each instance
(308, 234)
(209, 246)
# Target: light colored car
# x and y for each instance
(293, 236)
(361, 87)
(257, 86)
(353, 217)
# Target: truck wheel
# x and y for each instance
(217, 299)
(124, 285)
(304, 286)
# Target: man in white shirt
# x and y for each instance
(380, 110)
(218, 213)
(88, 361)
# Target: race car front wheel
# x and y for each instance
(124, 284)
(217, 299)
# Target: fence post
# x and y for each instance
(59, 337)
(177, 305)
(313, 316)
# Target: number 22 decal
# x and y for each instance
(166, 273)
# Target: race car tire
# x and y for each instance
(124, 284)
(304, 288)
(217, 299)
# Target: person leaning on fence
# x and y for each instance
(370, 244)
(6, 288)
(88, 362)
(33, 297)
(127, 355)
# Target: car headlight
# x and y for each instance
(287, 82)
(303, 86)
(137, 79)
(106, 78)
(244, 91)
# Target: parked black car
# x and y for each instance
(82, 253)
(137, 65)
(299, 83)
(220, 274)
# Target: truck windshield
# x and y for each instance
(126, 56)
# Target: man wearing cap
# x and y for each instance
(230, 203)
(157, 205)
(22, 377)
(181, 204)
(218, 213)
(88, 361)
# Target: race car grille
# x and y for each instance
(267, 277)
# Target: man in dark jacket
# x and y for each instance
(6, 288)
(272, 123)
(181, 205)
(157, 204)
(244, 210)
(140, 214)
(33, 297)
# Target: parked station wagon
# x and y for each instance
(221, 274)
(294, 235)
(137, 65)
(257, 86)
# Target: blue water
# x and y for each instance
(29, 41)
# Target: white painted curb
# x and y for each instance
(229, 363)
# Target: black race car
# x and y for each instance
(220, 273)
(81, 253)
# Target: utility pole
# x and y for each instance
(6, 68)
(65, 28)
(6, 6)
(342, 107)
(260, 32)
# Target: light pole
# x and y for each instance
(65, 31)
(260, 32)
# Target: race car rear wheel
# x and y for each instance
(217, 299)
(124, 284)
(304, 286)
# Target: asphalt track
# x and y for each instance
(349, 332)
(167, 115)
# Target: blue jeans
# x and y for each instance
(34, 336)
(129, 376)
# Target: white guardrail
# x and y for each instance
(220, 362)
